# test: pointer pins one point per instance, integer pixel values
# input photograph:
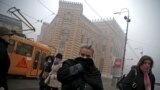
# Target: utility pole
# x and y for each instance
(127, 18)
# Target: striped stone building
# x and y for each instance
(70, 29)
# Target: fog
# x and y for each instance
(143, 31)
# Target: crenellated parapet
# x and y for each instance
(110, 19)
(70, 5)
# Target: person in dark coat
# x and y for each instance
(144, 79)
(80, 73)
(45, 72)
(49, 61)
(4, 58)
(52, 81)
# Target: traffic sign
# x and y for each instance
(117, 63)
(22, 63)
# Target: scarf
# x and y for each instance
(147, 82)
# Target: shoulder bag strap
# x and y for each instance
(134, 84)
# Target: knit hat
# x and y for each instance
(5, 31)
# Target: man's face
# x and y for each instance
(86, 53)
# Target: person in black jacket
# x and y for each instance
(80, 73)
(144, 78)
(45, 72)
(49, 61)
(4, 58)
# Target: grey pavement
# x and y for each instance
(32, 84)
(23, 84)
(108, 84)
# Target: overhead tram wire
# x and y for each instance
(45, 7)
(37, 20)
(21, 11)
(52, 13)
(147, 44)
(92, 8)
(30, 16)
(41, 20)
(110, 26)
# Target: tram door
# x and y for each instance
(38, 62)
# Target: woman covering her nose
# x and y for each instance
(144, 79)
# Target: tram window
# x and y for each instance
(24, 49)
(11, 45)
(42, 61)
(36, 60)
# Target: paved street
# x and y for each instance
(32, 84)
(23, 84)
(107, 84)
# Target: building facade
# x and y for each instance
(70, 29)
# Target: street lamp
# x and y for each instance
(127, 20)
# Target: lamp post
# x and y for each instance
(127, 18)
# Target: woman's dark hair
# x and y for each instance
(49, 57)
(143, 58)
(59, 55)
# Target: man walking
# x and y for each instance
(4, 58)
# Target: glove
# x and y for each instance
(86, 63)
(79, 59)
(89, 61)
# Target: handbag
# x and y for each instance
(121, 85)
(45, 75)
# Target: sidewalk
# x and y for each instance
(108, 84)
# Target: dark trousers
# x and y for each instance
(5, 85)
(53, 88)
(42, 85)
(45, 87)
(50, 88)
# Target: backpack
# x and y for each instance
(120, 84)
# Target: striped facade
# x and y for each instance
(70, 29)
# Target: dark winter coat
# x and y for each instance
(46, 68)
(139, 80)
(73, 77)
(4, 62)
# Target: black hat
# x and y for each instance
(59, 55)
(5, 31)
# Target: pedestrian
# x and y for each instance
(141, 74)
(45, 72)
(80, 73)
(4, 57)
(51, 80)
